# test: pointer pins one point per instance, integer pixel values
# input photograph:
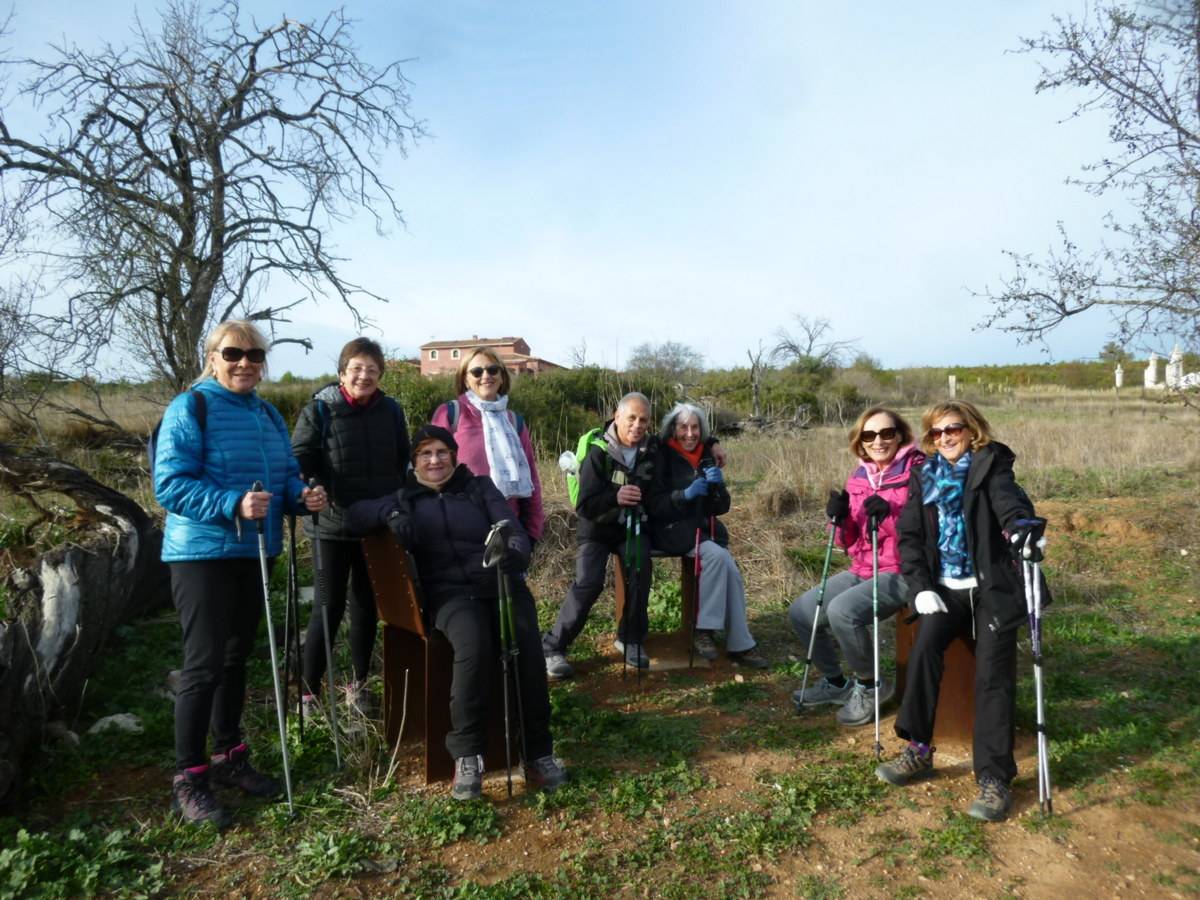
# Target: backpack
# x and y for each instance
(589, 439)
(452, 417)
(199, 412)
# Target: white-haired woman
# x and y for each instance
(687, 495)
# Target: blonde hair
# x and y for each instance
(460, 378)
(981, 431)
(243, 330)
(904, 431)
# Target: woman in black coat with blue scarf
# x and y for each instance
(965, 511)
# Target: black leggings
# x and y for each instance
(220, 603)
(995, 684)
(471, 624)
(342, 561)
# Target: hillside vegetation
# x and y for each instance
(705, 783)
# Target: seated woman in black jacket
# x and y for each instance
(686, 496)
(964, 514)
(443, 516)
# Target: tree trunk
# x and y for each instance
(63, 607)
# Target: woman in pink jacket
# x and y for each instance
(883, 443)
(492, 440)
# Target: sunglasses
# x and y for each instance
(256, 355)
(478, 371)
(949, 431)
(884, 434)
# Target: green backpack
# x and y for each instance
(570, 462)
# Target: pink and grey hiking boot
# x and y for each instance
(193, 799)
(232, 769)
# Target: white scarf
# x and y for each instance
(505, 455)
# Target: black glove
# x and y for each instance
(514, 562)
(397, 523)
(877, 509)
(1024, 538)
(837, 508)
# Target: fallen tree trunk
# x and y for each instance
(63, 606)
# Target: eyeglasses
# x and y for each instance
(884, 434)
(430, 455)
(950, 431)
(361, 371)
(478, 371)
(256, 355)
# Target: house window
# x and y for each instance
(433, 354)
(455, 354)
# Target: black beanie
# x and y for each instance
(432, 433)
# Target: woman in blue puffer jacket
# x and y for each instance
(215, 442)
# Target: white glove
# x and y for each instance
(928, 602)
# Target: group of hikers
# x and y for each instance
(929, 520)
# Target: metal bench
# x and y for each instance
(421, 656)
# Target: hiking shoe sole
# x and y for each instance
(884, 773)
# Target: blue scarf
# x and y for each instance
(942, 485)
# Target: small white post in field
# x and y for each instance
(953, 386)
(1118, 377)
(1150, 377)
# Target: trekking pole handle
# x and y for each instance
(313, 485)
(257, 488)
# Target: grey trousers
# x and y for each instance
(591, 563)
(723, 597)
(846, 612)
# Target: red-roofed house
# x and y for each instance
(445, 356)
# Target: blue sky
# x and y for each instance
(701, 171)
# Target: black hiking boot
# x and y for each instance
(232, 769)
(193, 799)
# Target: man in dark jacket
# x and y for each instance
(614, 481)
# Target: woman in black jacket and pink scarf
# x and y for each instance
(443, 516)
(964, 513)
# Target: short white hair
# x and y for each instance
(687, 410)
(630, 397)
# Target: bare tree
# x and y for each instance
(578, 354)
(811, 346)
(1140, 65)
(669, 359)
(759, 363)
(178, 174)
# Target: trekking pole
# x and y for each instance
(697, 568)
(291, 621)
(637, 566)
(256, 488)
(506, 611)
(629, 586)
(812, 638)
(493, 556)
(1031, 569)
(874, 523)
(319, 600)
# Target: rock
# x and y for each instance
(59, 731)
(126, 722)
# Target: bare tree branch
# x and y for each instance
(1140, 66)
(180, 172)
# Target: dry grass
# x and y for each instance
(1069, 446)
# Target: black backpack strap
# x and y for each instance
(452, 416)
